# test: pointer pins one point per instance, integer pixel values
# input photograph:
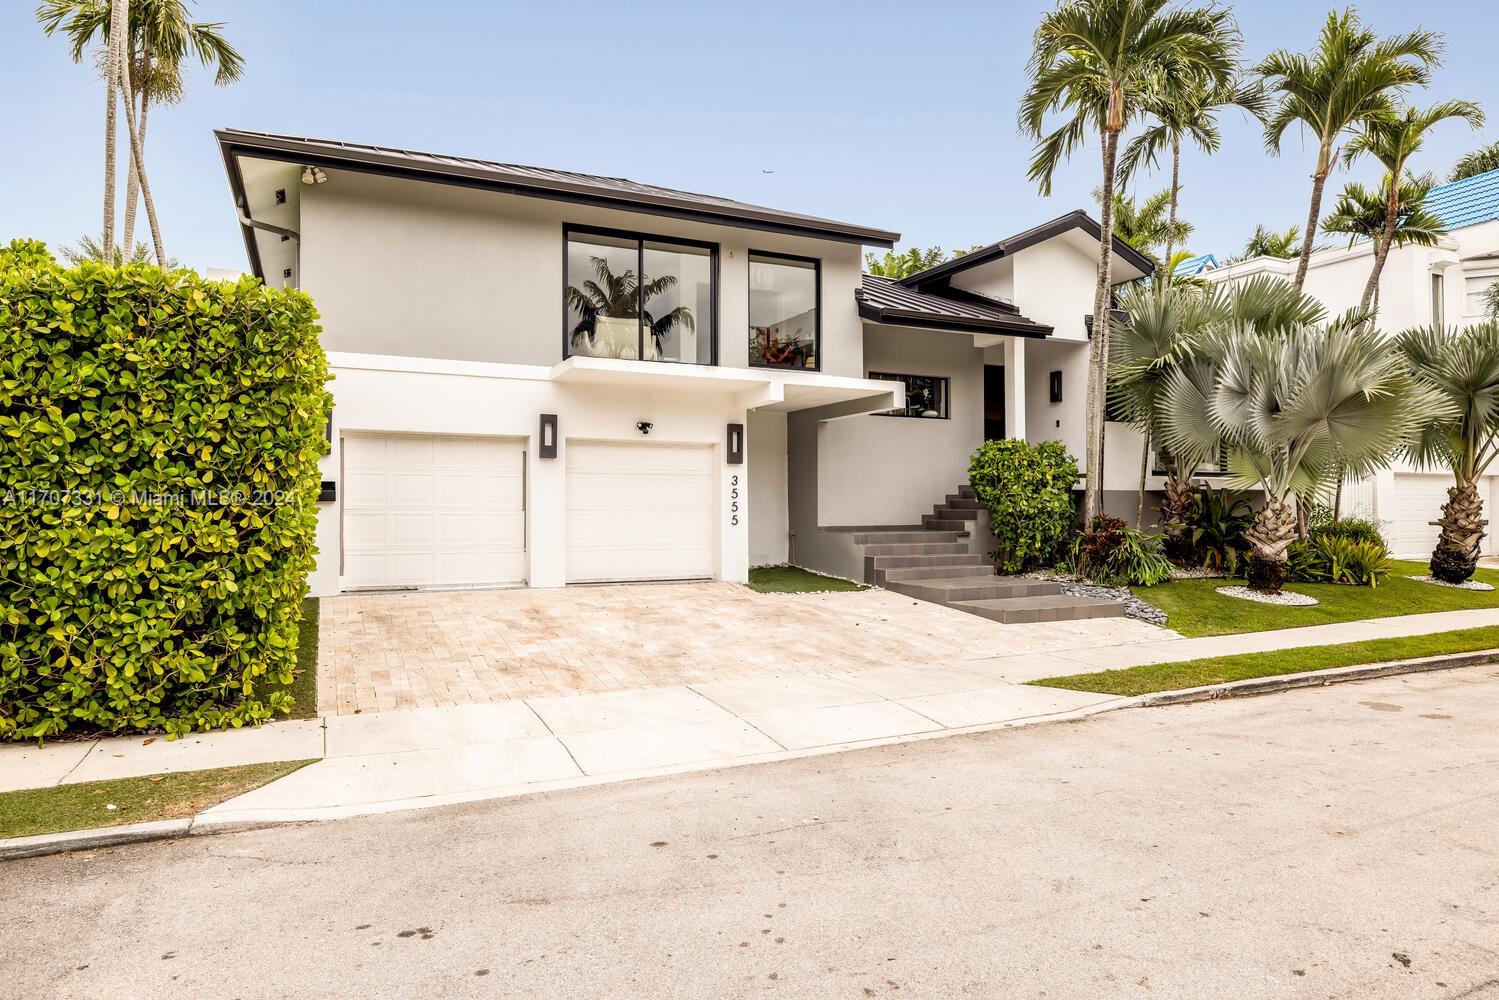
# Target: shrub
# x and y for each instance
(1113, 554)
(1027, 489)
(158, 483)
(1337, 554)
(1216, 522)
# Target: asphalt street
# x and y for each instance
(1339, 842)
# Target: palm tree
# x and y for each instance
(1293, 401)
(1186, 113)
(1095, 62)
(1461, 369)
(89, 248)
(1267, 243)
(1393, 141)
(1480, 161)
(899, 265)
(621, 296)
(1346, 83)
(160, 38)
(1364, 214)
(1147, 226)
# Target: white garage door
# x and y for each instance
(432, 511)
(1418, 500)
(639, 512)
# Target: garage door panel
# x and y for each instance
(639, 512)
(433, 511)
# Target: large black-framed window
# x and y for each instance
(785, 310)
(635, 296)
(926, 395)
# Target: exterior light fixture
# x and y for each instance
(546, 442)
(735, 445)
(644, 426)
(313, 175)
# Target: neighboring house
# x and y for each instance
(502, 417)
(1442, 284)
(1192, 267)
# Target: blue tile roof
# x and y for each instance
(1466, 202)
(1194, 266)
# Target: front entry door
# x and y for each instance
(994, 402)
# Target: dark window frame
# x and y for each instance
(901, 377)
(816, 263)
(641, 239)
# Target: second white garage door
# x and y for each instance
(433, 511)
(639, 512)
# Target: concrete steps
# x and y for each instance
(935, 562)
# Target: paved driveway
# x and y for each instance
(384, 652)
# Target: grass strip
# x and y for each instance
(87, 805)
(795, 580)
(1155, 677)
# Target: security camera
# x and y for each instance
(644, 426)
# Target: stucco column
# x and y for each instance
(1015, 388)
(546, 516)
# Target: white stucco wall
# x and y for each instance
(402, 267)
(398, 395)
(765, 453)
(891, 470)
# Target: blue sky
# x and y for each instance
(894, 115)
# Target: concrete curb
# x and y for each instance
(1312, 678)
(210, 823)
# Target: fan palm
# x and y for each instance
(160, 37)
(1364, 214)
(1182, 113)
(1346, 83)
(1393, 141)
(1461, 368)
(1095, 62)
(622, 296)
(1293, 402)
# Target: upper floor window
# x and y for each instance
(639, 298)
(926, 395)
(1476, 294)
(785, 294)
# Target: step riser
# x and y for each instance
(966, 559)
(1028, 616)
(963, 503)
(966, 492)
(938, 594)
(906, 537)
(944, 524)
(954, 514)
(915, 549)
(884, 576)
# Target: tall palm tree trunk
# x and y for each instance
(1319, 181)
(118, 25)
(1144, 475)
(1098, 346)
(1382, 249)
(1462, 525)
(132, 185)
(1176, 173)
(138, 163)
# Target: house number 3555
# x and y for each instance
(734, 500)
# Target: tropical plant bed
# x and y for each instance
(1195, 609)
(92, 804)
(795, 580)
(1155, 677)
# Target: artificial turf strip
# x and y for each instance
(795, 580)
(1155, 677)
(1194, 607)
(304, 684)
(85, 806)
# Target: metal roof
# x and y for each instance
(1466, 202)
(884, 300)
(939, 274)
(609, 192)
(1193, 266)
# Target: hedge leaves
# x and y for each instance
(159, 440)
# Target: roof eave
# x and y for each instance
(369, 161)
(950, 324)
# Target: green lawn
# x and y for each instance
(1196, 609)
(795, 580)
(84, 806)
(1222, 669)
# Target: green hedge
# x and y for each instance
(1028, 491)
(159, 439)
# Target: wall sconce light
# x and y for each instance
(644, 426)
(1056, 387)
(546, 446)
(736, 444)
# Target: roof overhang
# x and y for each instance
(950, 324)
(752, 388)
(234, 143)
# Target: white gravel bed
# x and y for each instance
(1285, 598)
(1465, 585)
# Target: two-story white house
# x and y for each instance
(1443, 285)
(548, 378)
